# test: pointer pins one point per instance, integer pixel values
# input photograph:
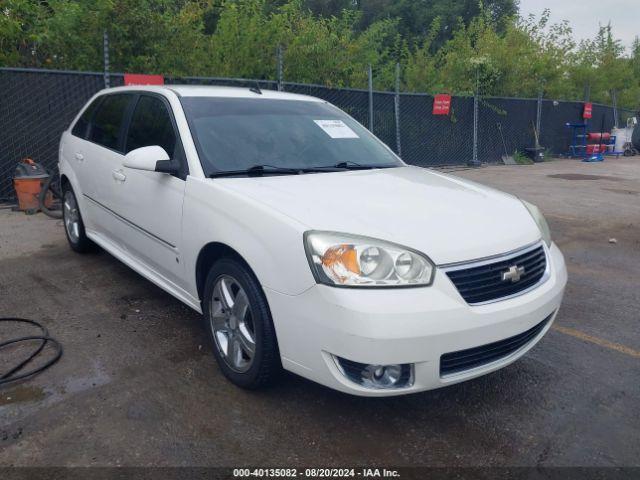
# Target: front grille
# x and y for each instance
(485, 283)
(456, 362)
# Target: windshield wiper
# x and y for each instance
(260, 170)
(257, 170)
(351, 165)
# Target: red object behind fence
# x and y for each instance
(595, 136)
(139, 79)
(588, 110)
(441, 104)
(595, 148)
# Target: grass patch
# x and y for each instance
(521, 158)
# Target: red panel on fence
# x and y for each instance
(441, 104)
(588, 109)
(139, 79)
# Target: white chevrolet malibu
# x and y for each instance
(305, 242)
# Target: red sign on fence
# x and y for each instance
(139, 79)
(588, 109)
(441, 104)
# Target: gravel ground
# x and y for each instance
(137, 385)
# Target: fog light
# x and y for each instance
(376, 376)
(382, 376)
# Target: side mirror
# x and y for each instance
(148, 159)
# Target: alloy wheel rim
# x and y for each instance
(71, 217)
(231, 322)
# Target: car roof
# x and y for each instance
(211, 91)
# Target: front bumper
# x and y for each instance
(397, 326)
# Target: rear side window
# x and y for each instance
(151, 125)
(82, 125)
(106, 126)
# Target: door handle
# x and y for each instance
(119, 176)
(79, 157)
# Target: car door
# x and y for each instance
(74, 149)
(149, 204)
(103, 153)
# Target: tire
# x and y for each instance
(242, 337)
(73, 224)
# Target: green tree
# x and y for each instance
(20, 32)
(442, 46)
(416, 17)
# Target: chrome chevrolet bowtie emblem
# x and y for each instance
(513, 274)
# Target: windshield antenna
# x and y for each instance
(256, 88)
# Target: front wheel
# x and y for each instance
(239, 324)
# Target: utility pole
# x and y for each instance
(538, 118)
(105, 46)
(587, 91)
(474, 160)
(397, 111)
(614, 100)
(280, 70)
(370, 98)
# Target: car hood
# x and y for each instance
(447, 218)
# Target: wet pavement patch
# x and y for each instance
(582, 176)
(624, 191)
(10, 435)
(22, 393)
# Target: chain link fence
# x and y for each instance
(36, 106)
(430, 140)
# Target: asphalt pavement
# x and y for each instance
(138, 386)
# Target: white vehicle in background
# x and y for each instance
(305, 242)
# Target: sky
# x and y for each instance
(585, 15)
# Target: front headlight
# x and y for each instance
(341, 259)
(539, 218)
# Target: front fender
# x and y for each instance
(269, 241)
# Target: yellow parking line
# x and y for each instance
(561, 217)
(598, 341)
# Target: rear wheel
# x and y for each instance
(239, 324)
(73, 224)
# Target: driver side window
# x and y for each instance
(151, 125)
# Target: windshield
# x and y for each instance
(234, 134)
